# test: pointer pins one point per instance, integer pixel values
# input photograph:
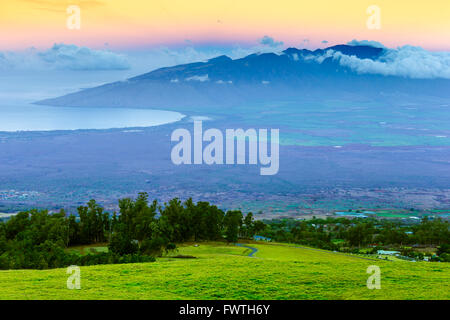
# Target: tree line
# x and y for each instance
(358, 234)
(142, 230)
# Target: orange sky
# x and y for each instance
(134, 23)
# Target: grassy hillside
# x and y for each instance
(221, 271)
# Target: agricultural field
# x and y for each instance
(220, 271)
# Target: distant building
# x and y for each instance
(261, 238)
(389, 253)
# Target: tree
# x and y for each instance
(359, 234)
(93, 223)
(122, 244)
(443, 249)
(175, 221)
(249, 229)
(259, 227)
(232, 223)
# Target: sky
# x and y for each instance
(118, 39)
(140, 24)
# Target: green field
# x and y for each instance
(221, 271)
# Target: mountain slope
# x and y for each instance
(293, 75)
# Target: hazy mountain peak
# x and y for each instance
(222, 58)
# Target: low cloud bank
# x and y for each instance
(406, 61)
(374, 44)
(63, 57)
(82, 58)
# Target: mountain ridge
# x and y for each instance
(293, 75)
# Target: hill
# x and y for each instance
(220, 271)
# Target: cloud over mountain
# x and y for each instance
(407, 61)
(361, 57)
(374, 44)
(293, 75)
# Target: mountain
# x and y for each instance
(293, 75)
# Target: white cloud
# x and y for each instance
(63, 57)
(412, 62)
(224, 82)
(23, 60)
(198, 78)
(265, 45)
(313, 58)
(269, 41)
(154, 58)
(406, 61)
(72, 57)
(374, 44)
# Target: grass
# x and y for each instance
(222, 271)
(92, 248)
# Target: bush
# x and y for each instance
(122, 244)
(445, 257)
(153, 246)
(442, 249)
